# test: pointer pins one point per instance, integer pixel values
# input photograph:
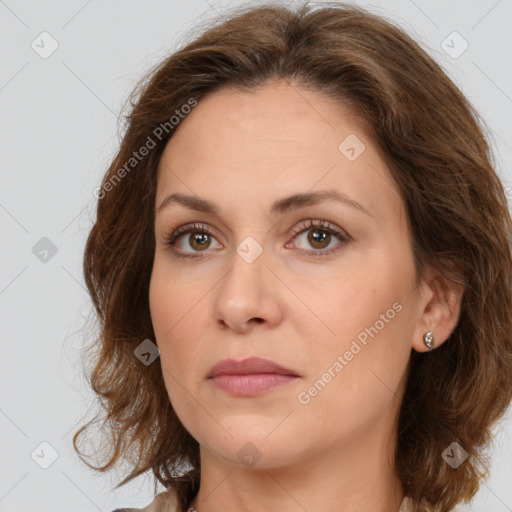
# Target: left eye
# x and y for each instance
(317, 238)
(319, 235)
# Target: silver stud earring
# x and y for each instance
(428, 339)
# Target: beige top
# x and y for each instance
(167, 501)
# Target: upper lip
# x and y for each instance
(248, 366)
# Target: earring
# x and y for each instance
(428, 339)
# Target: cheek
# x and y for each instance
(173, 300)
(346, 304)
(347, 373)
(174, 332)
(172, 312)
(365, 341)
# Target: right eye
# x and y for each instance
(199, 239)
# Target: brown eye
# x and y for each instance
(199, 240)
(318, 237)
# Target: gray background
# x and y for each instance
(58, 132)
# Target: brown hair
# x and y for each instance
(432, 140)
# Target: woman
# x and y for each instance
(301, 264)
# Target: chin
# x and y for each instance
(255, 446)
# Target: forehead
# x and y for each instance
(286, 120)
(275, 140)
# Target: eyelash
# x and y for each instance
(171, 238)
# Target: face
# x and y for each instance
(324, 288)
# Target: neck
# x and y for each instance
(353, 477)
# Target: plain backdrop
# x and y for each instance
(65, 70)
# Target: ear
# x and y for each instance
(440, 302)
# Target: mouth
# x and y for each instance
(251, 376)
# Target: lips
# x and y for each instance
(251, 377)
(250, 366)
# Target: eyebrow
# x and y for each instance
(281, 206)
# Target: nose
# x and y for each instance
(247, 295)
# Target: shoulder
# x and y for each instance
(407, 506)
(166, 501)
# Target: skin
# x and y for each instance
(243, 151)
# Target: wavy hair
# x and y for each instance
(434, 144)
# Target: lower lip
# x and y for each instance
(253, 384)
